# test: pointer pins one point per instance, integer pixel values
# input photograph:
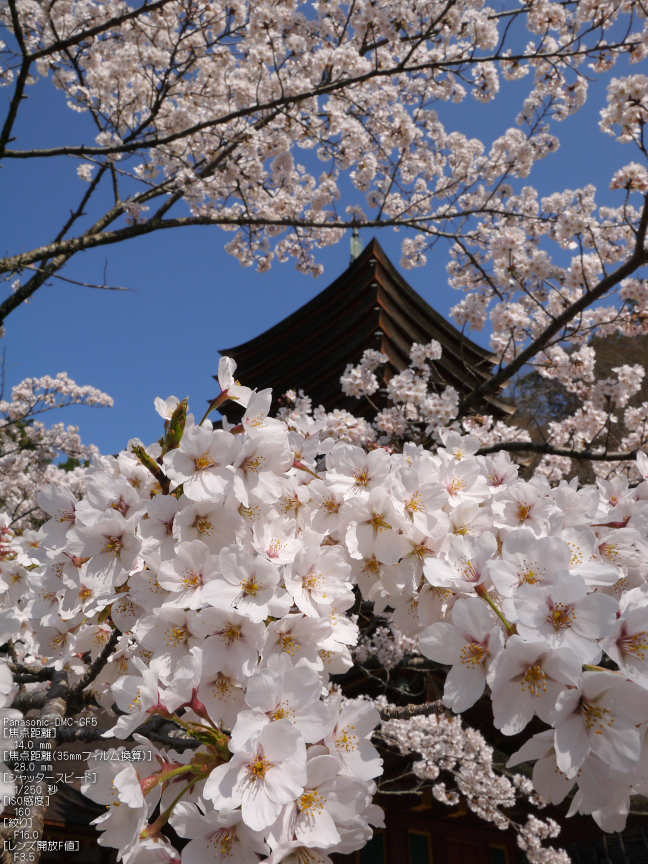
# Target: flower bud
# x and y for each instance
(176, 427)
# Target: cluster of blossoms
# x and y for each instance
(15, 552)
(220, 566)
(251, 87)
(513, 284)
(447, 748)
(564, 572)
(231, 613)
(361, 380)
(28, 447)
(211, 577)
(420, 404)
(385, 645)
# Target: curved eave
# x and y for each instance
(369, 306)
(426, 311)
(309, 316)
(348, 283)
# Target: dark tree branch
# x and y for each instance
(550, 450)
(70, 41)
(87, 734)
(27, 679)
(27, 701)
(43, 673)
(76, 214)
(180, 743)
(24, 292)
(56, 249)
(92, 672)
(103, 287)
(92, 239)
(68, 734)
(21, 82)
(394, 712)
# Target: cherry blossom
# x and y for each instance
(282, 691)
(249, 585)
(28, 469)
(200, 462)
(230, 637)
(526, 678)
(467, 645)
(269, 773)
(218, 835)
(601, 715)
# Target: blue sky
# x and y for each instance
(189, 298)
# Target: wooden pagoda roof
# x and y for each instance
(369, 306)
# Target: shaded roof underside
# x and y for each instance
(369, 306)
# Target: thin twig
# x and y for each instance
(103, 287)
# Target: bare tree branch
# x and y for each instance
(28, 701)
(43, 673)
(395, 712)
(21, 81)
(89, 240)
